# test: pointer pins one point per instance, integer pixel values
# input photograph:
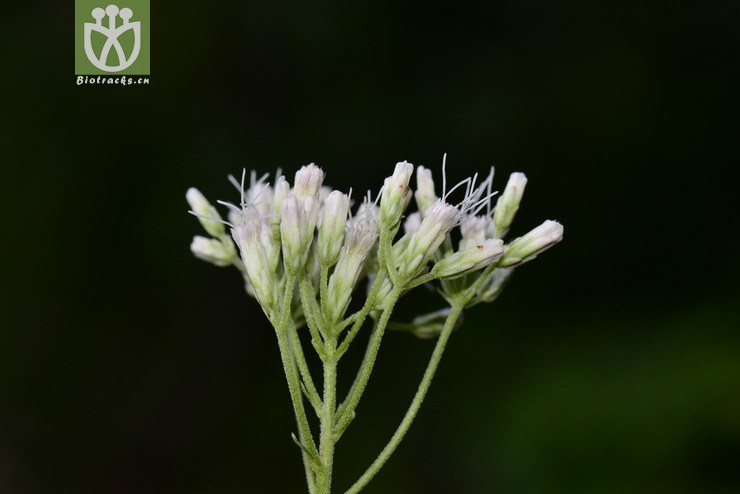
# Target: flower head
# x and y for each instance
(396, 194)
(412, 223)
(331, 231)
(425, 195)
(283, 232)
(526, 248)
(475, 229)
(206, 213)
(249, 237)
(470, 259)
(308, 181)
(298, 219)
(360, 237)
(508, 203)
(414, 250)
(212, 250)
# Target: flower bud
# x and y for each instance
(331, 231)
(308, 181)
(212, 250)
(282, 189)
(424, 194)
(271, 246)
(297, 224)
(508, 204)
(360, 237)
(235, 217)
(260, 195)
(324, 192)
(362, 232)
(280, 192)
(200, 205)
(383, 296)
(494, 284)
(396, 194)
(444, 215)
(469, 260)
(368, 216)
(430, 325)
(474, 230)
(310, 216)
(412, 252)
(248, 236)
(412, 223)
(526, 248)
(290, 233)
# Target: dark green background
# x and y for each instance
(610, 365)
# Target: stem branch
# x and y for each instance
(291, 375)
(415, 403)
(312, 315)
(327, 442)
(363, 375)
(359, 317)
(305, 373)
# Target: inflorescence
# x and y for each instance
(281, 230)
(304, 254)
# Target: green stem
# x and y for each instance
(327, 442)
(362, 314)
(385, 248)
(291, 375)
(363, 375)
(323, 287)
(351, 335)
(305, 373)
(308, 457)
(342, 325)
(421, 280)
(415, 403)
(365, 357)
(312, 317)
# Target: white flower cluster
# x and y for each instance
(303, 253)
(284, 232)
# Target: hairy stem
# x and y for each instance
(426, 278)
(415, 403)
(306, 454)
(305, 373)
(361, 315)
(312, 315)
(327, 442)
(365, 357)
(323, 287)
(363, 375)
(291, 375)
